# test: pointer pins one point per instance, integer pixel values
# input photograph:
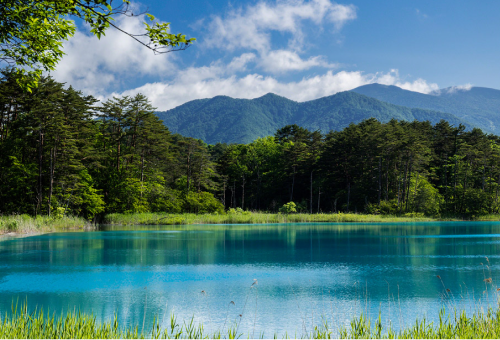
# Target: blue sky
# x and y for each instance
(295, 48)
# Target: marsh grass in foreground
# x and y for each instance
(74, 325)
(25, 224)
(247, 217)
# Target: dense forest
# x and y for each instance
(62, 152)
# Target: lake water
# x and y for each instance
(279, 277)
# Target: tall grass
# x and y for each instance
(25, 224)
(22, 324)
(248, 217)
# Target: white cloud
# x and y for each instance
(250, 28)
(280, 61)
(210, 81)
(95, 65)
(420, 14)
(99, 67)
(454, 89)
(340, 15)
(419, 85)
(239, 64)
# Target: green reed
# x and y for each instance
(22, 324)
(248, 217)
(25, 224)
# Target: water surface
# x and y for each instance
(279, 277)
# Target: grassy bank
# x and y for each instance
(247, 217)
(23, 324)
(25, 224)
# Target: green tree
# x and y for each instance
(32, 32)
(47, 144)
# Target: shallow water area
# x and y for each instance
(271, 278)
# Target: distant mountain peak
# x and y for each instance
(271, 95)
(379, 86)
(479, 106)
(242, 120)
(221, 96)
(452, 90)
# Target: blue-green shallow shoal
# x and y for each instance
(280, 277)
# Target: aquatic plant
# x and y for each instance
(23, 324)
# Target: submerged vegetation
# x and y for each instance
(24, 324)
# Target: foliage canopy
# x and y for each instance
(32, 32)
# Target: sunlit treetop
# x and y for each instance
(32, 32)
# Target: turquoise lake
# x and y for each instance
(277, 277)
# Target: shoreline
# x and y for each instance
(247, 217)
(19, 226)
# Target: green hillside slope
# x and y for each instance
(228, 120)
(480, 106)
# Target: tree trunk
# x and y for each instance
(142, 172)
(446, 179)
(224, 194)
(379, 180)
(483, 182)
(233, 194)
(259, 181)
(311, 203)
(405, 178)
(462, 210)
(118, 156)
(409, 183)
(348, 195)
(455, 185)
(188, 173)
(40, 161)
(243, 193)
(142, 167)
(415, 193)
(319, 196)
(52, 166)
(387, 182)
(498, 187)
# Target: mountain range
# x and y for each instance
(480, 106)
(228, 120)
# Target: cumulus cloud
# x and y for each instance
(251, 28)
(281, 61)
(419, 85)
(95, 65)
(239, 64)
(207, 82)
(454, 89)
(102, 67)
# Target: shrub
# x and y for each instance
(288, 208)
(203, 202)
(12, 226)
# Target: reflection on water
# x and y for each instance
(302, 272)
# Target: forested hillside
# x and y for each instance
(60, 153)
(480, 106)
(64, 153)
(228, 120)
